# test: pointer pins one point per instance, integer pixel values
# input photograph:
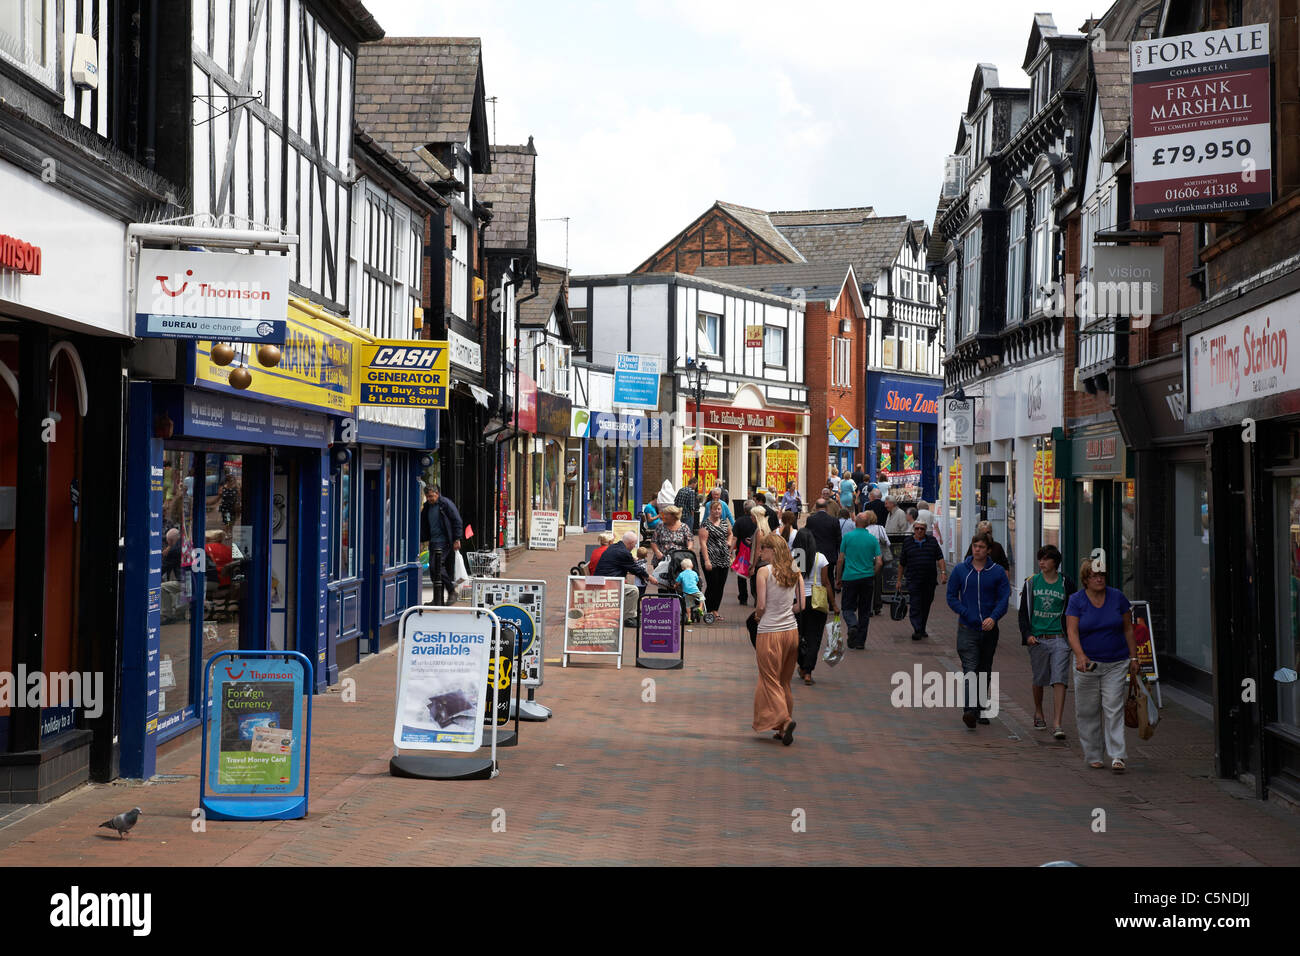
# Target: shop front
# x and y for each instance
(746, 445)
(902, 433)
(63, 335)
(1100, 503)
(1172, 560)
(999, 463)
(614, 457)
(231, 527)
(551, 491)
(1243, 390)
(376, 484)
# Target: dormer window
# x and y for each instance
(1042, 85)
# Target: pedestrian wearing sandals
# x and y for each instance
(1042, 628)
(1099, 622)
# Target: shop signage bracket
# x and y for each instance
(424, 767)
(258, 801)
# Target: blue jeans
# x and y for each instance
(856, 605)
(976, 648)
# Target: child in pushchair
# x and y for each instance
(677, 573)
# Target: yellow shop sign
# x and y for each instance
(410, 374)
(317, 367)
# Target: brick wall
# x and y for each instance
(717, 240)
(821, 328)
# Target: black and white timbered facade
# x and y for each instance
(271, 108)
(754, 417)
(1008, 189)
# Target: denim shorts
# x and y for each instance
(1050, 660)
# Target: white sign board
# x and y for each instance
(958, 422)
(222, 296)
(464, 352)
(544, 531)
(442, 679)
(1244, 359)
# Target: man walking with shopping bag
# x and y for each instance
(441, 527)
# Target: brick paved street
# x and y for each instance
(683, 780)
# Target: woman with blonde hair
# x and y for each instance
(763, 528)
(779, 588)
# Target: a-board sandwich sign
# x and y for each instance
(442, 679)
(593, 617)
(259, 725)
(523, 604)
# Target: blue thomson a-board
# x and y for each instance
(256, 753)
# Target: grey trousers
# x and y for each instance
(1099, 710)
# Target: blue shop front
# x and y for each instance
(233, 515)
(376, 470)
(614, 449)
(903, 431)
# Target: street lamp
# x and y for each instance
(697, 376)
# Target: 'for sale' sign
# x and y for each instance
(1202, 110)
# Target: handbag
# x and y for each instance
(819, 600)
(751, 625)
(1148, 714)
(898, 607)
(741, 564)
(1133, 703)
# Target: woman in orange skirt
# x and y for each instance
(779, 589)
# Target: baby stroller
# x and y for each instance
(666, 578)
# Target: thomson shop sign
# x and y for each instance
(220, 296)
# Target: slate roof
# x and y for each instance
(413, 91)
(1114, 83)
(815, 217)
(759, 222)
(870, 243)
(510, 189)
(355, 15)
(820, 281)
(536, 311)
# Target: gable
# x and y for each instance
(718, 238)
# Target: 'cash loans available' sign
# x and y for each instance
(412, 374)
(1201, 119)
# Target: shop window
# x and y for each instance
(389, 511)
(343, 558)
(228, 542)
(1189, 636)
(1288, 589)
(178, 664)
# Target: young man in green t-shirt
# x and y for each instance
(1042, 628)
(858, 564)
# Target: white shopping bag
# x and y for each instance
(835, 643)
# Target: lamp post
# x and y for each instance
(697, 376)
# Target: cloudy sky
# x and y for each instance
(644, 112)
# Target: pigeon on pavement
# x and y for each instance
(123, 822)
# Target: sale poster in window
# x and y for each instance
(781, 466)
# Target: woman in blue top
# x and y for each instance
(1099, 626)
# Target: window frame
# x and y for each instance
(716, 344)
(785, 347)
(49, 75)
(1016, 250)
(971, 261)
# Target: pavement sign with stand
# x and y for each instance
(524, 603)
(1145, 632)
(260, 750)
(661, 632)
(444, 655)
(593, 618)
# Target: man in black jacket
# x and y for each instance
(441, 527)
(825, 531)
(1042, 627)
